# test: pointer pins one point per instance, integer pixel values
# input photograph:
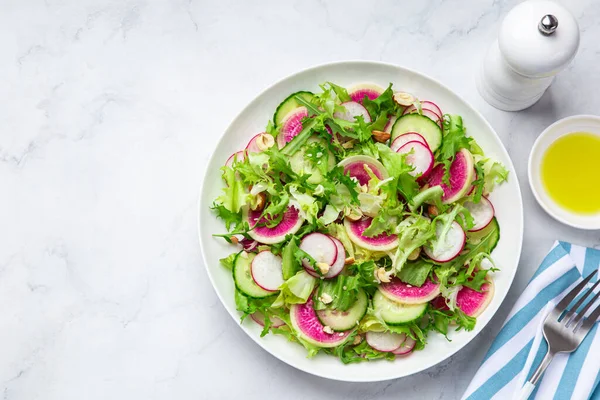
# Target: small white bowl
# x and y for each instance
(576, 123)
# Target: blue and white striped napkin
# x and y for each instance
(520, 345)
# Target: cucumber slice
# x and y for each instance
(288, 105)
(242, 277)
(394, 313)
(300, 164)
(420, 124)
(344, 320)
(493, 228)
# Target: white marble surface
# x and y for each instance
(110, 111)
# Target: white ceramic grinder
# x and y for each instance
(537, 40)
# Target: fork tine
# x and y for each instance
(585, 309)
(591, 320)
(573, 310)
(564, 303)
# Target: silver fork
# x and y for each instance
(564, 335)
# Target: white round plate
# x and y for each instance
(576, 123)
(253, 119)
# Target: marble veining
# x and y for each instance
(110, 111)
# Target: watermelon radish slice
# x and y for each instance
(259, 318)
(252, 147)
(320, 247)
(308, 327)
(472, 302)
(390, 124)
(266, 271)
(419, 156)
(407, 137)
(358, 92)
(482, 213)
(401, 292)
(338, 265)
(385, 341)
(353, 109)
(381, 242)
(290, 223)
(461, 177)
(450, 247)
(406, 347)
(238, 156)
(355, 167)
(291, 126)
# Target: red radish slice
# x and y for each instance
(407, 137)
(390, 124)
(338, 265)
(238, 156)
(353, 109)
(461, 177)
(358, 92)
(355, 167)
(259, 318)
(419, 156)
(381, 242)
(451, 247)
(307, 325)
(482, 213)
(320, 247)
(266, 271)
(385, 341)
(252, 147)
(290, 223)
(433, 107)
(432, 115)
(401, 292)
(473, 303)
(249, 245)
(406, 347)
(291, 125)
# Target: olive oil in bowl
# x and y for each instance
(570, 172)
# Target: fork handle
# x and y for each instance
(530, 384)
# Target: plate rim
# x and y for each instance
(402, 69)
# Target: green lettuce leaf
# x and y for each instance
(415, 273)
(228, 261)
(454, 139)
(296, 290)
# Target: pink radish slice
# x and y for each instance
(382, 242)
(238, 156)
(482, 213)
(451, 247)
(259, 318)
(461, 177)
(472, 186)
(401, 292)
(252, 147)
(291, 126)
(406, 347)
(407, 137)
(320, 247)
(353, 109)
(290, 223)
(419, 156)
(266, 271)
(472, 302)
(385, 341)
(336, 267)
(390, 124)
(306, 323)
(432, 116)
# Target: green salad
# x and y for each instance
(360, 223)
